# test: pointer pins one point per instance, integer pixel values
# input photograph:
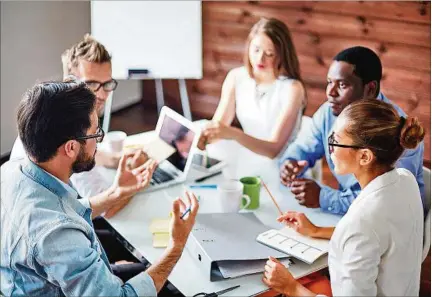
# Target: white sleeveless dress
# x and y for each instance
(258, 109)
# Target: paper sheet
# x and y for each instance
(155, 147)
(231, 269)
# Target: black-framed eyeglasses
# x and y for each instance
(332, 143)
(99, 135)
(107, 86)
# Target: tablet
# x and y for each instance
(207, 164)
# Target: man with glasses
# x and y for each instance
(355, 74)
(90, 62)
(49, 247)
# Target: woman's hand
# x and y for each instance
(299, 222)
(278, 278)
(217, 130)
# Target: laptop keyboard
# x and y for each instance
(160, 176)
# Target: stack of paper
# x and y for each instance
(160, 230)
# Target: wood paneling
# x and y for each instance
(399, 32)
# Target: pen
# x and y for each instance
(207, 177)
(186, 212)
(208, 186)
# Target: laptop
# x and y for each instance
(179, 133)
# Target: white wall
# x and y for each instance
(33, 36)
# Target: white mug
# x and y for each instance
(230, 196)
(116, 140)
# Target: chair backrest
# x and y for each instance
(427, 204)
(315, 172)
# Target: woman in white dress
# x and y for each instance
(376, 248)
(267, 94)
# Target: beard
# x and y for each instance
(83, 162)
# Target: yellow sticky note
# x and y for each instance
(160, 240)
(159, 225)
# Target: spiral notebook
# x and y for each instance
(294, 244)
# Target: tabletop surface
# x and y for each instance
(133, 221)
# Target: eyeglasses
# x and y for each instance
(107, 86)
(99, 135)
(332, 143)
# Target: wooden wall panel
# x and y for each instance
(399, 32)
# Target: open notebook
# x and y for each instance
(292, 243)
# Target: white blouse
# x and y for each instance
(258, 109)
(376, 248)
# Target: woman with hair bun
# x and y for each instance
(376, 248)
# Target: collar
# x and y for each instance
(64, 191)
(378, 183)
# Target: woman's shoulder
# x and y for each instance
(238, 73)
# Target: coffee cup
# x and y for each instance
(231, 197)
(252, 188)
(116, 140)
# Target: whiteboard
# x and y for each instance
(164, 37)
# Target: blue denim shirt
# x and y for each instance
(314, 146)
(49, 247)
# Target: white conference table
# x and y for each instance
(133, 221)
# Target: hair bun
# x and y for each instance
(412, 133)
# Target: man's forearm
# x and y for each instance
(101, 202)
(160, 270)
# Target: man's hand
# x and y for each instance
(278, 278)
(306, 191)
(129, 181)
(180, 228)
(139, 158)
(299, 222)
(290, 169)
(107, 159)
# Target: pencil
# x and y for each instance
(271, 196)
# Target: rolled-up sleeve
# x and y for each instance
(68, 258)
(336, 201)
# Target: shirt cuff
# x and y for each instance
(143, 285)
(325, 199)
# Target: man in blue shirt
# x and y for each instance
(355, 74)
(49, 246)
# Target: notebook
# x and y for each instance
(294, 244)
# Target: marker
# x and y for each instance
(209, 186)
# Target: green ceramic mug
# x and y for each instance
(252, 188)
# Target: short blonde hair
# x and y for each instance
(89, 49)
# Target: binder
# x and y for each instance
(221, 237)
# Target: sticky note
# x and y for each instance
(159, 225)
(160, 240)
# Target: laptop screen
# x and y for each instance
(179, 137)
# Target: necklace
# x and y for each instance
(262, 90)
